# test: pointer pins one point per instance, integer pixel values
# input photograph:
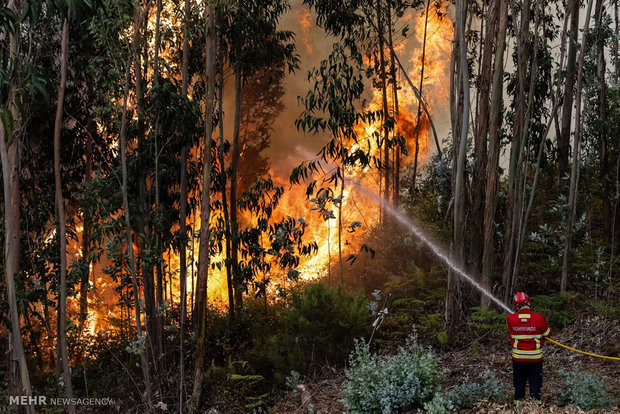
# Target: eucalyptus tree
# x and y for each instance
(574, 176)
(460, 111)
(569, 92)
(360, 27)
(489, 122)
(139, 18)
(60, 211)
(183, 211)
(250, 41)
(204, 252)
(331, 106)
(18, 80)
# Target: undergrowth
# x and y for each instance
(585, 390)
(390, 383)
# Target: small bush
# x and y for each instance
(467, 394)
(438, 405)
(389, 384)
(487, 320)
(318, 317)
(584, 390)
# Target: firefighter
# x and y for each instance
(527, 332)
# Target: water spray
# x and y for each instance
(439, 252)
(446, 259)
(430, 244)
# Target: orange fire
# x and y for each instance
(356, 207)
(304, 19)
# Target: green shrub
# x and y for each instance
(584, 390)
(488, 320)
(438, 405)
(558, 309)
(467, 394)
(318, 317)
(389, 384)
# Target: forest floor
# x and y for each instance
(592, 333)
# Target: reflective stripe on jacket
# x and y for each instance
(527, 331)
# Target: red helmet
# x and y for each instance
(520, 298)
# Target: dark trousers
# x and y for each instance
(527, 371)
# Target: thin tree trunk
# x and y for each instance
(60, 209)
(569, 85)
(85, 280)
(602, 118)
(183, 216)
(419, 115)
(160, 288)
(200, 313)
(227, 235)
(479, 182)
(492, 174)
(458, 243)
(139, 20)
(386, 113)
(417, 94)
(523, 160)
(19, 379)
(341, 196)
(234, 177)
(574, 177)
(396, 187)
(144, 219)
(515, 168)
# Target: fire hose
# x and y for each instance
(581, 352)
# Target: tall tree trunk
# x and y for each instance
(341, 199)
(419, 114)
(200, 313)
(458, 242)
(492, 174)
(386, 113)
(574, 176)
(160, 288)
(518, 228)
(234, 177)
(515, 168)
(144, 219)
(86, 230)
(224, 180)
(396, 187)
(139, 18)
(615, 226)
(479, 182)
(19, 379)
(569, 85)
(183, 216)
(60, 210)
(601, 93)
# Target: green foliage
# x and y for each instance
(606, 309)
(559, 310)
(467, 394)
(585, 390)
(318, 317)
(488, 321)
(438, 405)
(391, 383)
